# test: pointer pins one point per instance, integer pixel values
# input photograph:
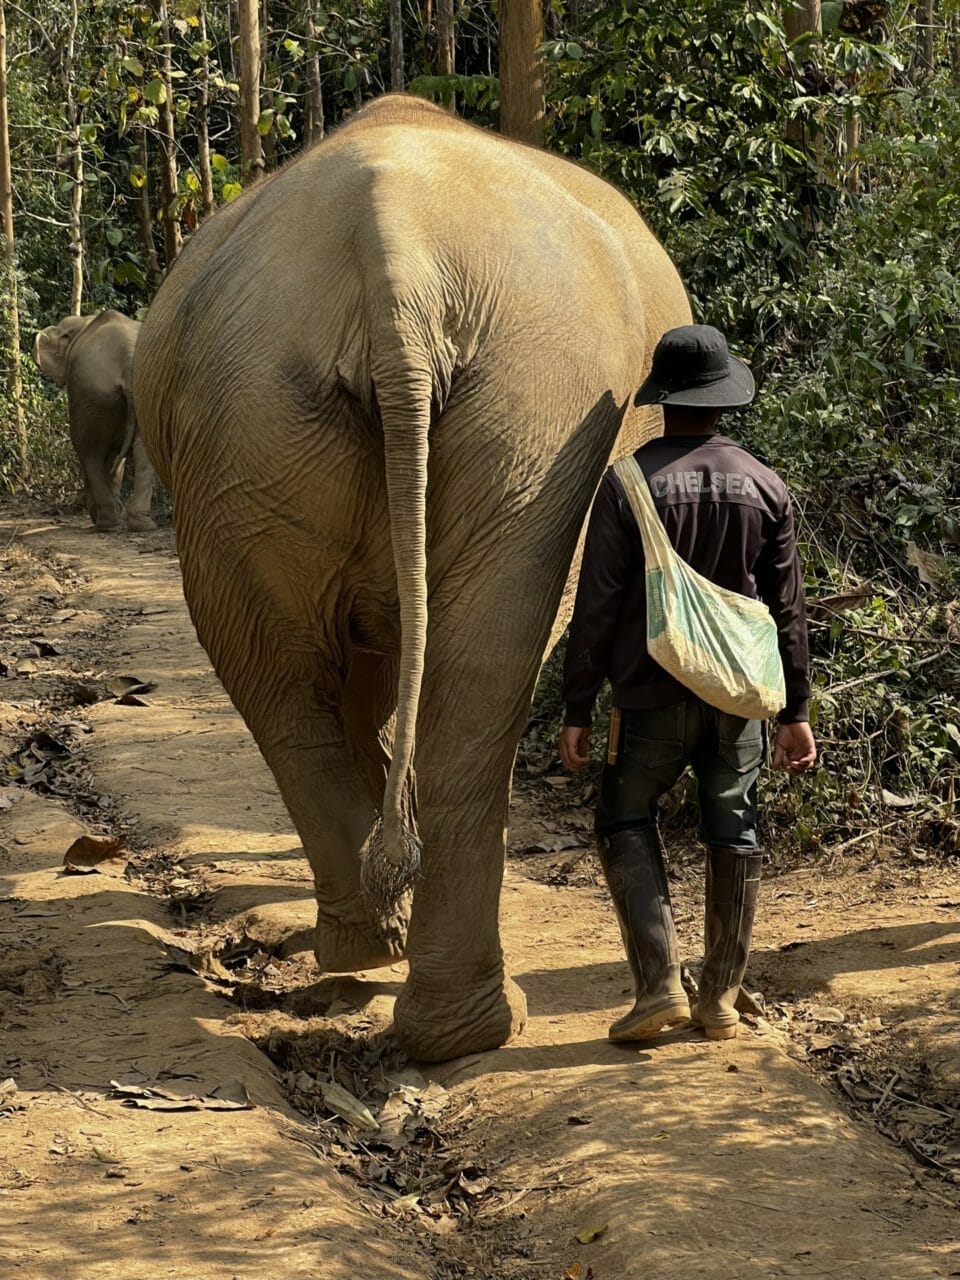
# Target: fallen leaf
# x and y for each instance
(578, 1118)
(473, 1186)
(573, 1273)
(589, 1234)
(830, 606)
(89, 854)
(106, 1157)
(347, 1107)
(403, 1203)
(897, 802)
(119, 685)
(46, 648)
(227, 1097)
(826, 1013)
(931, 568)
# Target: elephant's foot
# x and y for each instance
(105, 524)
(347, 946)
(435, 1024)
(140, 524)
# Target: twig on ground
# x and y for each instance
(77, 1098)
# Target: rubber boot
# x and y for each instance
(733, 879)
(632, 863)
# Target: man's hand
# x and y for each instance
(794, 748)
(574, 747)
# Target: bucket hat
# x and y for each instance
(693, 367)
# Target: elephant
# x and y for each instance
(92, 356)
(382, 387)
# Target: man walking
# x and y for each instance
(730, 518)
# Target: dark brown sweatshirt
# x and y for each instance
(731, 519)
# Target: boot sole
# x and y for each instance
(721, 1033)
(650, 1025)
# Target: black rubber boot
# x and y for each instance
(733, 880)
(632, 862)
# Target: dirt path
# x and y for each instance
(695, 1159)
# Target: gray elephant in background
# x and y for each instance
(92, 356)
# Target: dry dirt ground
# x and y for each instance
(262, 1124)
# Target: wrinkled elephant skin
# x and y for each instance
(92, 356)
(382, 388)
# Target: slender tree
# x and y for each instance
(10, 258)
(446, 37)
(169, 176)
(268, 133)
(314, 126)
(396, 46)
(203, 119)
(925, 18)
(521, 70)
(251, 152)
(144, 212)
(73, 113)
(800, 18)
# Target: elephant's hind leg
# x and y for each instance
(286, 682)
(139, 518)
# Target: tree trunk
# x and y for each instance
(15, 381)
(145, 217)
(798, 20)
(268, 140)
(802, 17)
(925, 19)
(521, 70)
(446, 38)
(955, 50)
(426, 37)
(314, 129)
(851, 141)
(203, 124)
(169, 176)
(396, 46)
(73, 113)
(251, 154)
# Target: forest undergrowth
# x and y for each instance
(808, 189)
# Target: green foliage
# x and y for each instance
(848, 306)
(734, 145)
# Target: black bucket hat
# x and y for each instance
(693, 367)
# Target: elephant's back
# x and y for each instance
(502, 240)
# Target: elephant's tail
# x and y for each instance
(404, 400)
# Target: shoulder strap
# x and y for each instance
(657, 547)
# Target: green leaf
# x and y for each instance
(350, 78)
(589, 1234)
(155, 91)
(831, 11)
(114, 236)
(138, 177)
(219, 162)
(574, 50)
(265, 123)
(191, 181)
(596, 123)
(133, 65)
(231, 190)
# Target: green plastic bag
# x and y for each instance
(717, 643)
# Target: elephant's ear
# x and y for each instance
(50, 349)
(52, 344)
